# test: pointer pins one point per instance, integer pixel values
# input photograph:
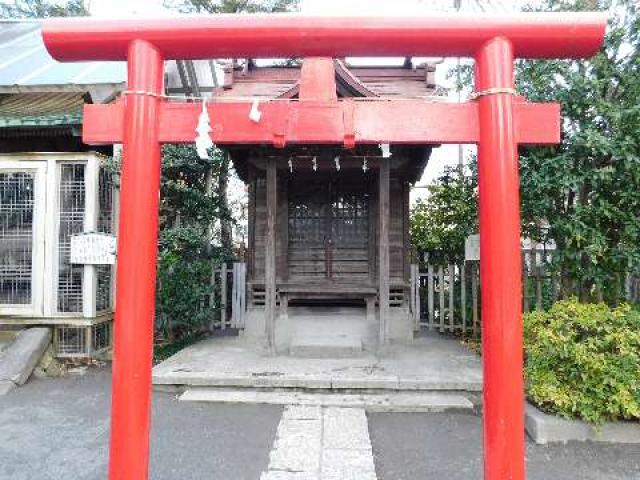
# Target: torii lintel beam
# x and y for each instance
(333, 122)
(533, 35)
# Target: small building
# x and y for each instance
(53, 186)
(327, 199)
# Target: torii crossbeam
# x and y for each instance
(497, 121)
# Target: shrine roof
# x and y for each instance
(281, 81)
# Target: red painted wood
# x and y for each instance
(534, 35)
(497, 122)
(318, 80)
(136, 276)
(500, 267)
(370, 122)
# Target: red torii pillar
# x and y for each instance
(496, 122)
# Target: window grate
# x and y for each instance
(71, 208)
(105, 225)
(73, 341)
(16, 237)
(101, 336)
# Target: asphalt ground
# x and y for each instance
(449, 447)
(58, 429)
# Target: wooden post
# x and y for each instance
(383, 244)
(525, 283)
(538, 270)
(441, 293)
(270, 257)
(463, 297)
(452, 292)
(212, 297)
(415, 295)
(432, 320)
(223, 296)
(474, 297)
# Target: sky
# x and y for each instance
(442, 156)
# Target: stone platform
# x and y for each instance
(430, 363)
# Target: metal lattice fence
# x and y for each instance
(105, 225)
(71, 221)
(16, 237)
(72, 341)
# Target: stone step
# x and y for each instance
(373, 402)
(327, 336)
(329, 346)
(20, 358)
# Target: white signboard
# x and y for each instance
(93, 249)
(472, 247)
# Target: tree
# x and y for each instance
(441, 222)
(585, 193)
(217, 7)
(42, 9)
(587, 189)
(233, 6)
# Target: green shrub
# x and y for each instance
(185, 262)
(583, 361)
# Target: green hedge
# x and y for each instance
(583, 361)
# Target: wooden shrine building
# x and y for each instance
(334, 209)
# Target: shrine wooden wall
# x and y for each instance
(398, 233)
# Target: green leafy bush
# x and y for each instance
(442, 221)
(183, 286)
(583, 361)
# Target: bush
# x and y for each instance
(185, 262)
(583, 361)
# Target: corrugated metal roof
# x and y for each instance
(41, 109)
(26, 65)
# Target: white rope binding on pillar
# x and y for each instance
(493, 91)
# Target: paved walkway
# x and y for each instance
(317, 443)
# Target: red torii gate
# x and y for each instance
(498, 121)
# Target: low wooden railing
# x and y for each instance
(446, 297)
(228, 296)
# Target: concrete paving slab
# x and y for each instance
(284, 475)
(433, 362)
(315, 448)
(346, 428)
(340, 464)
(21, 357)
(544, 428)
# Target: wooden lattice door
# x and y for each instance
(328, 230)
